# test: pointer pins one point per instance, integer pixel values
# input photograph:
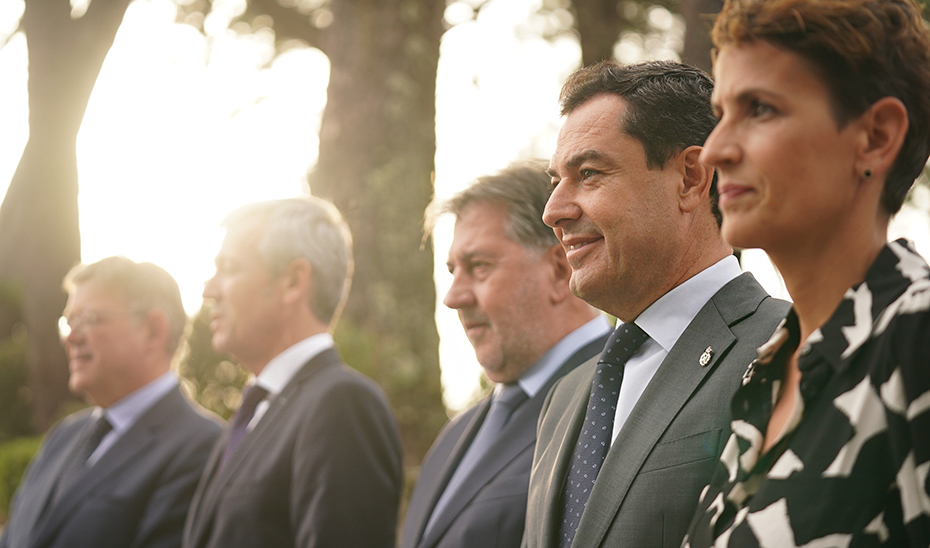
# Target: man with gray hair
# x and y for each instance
(123, 472)
(312, 456)
(510, 287)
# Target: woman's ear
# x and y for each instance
(884, 126)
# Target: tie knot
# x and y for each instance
(251, 396)
(511, 396)
(623, 343)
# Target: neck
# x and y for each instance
(818, 272)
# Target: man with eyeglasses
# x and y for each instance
(121, 473)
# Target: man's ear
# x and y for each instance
(295, 281)
(158, 327)
(695, 179)
(561, 273)
(884, 127)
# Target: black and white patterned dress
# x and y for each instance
(850, 470)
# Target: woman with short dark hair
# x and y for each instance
(824, 124)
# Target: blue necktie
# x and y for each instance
(250, 399)
(594, 440)
(502, 407)
(91, 437)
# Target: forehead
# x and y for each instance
(594, 131)
(241, 241)
(760, 67)
(480, 225)
(92, 294)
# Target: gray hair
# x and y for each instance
(304, 228)
(522, 188)
(143, 286)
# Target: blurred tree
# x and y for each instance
(39, 237)
(377, 144)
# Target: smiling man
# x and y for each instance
(312, 456)
(123, 472)
(510, 287)
(626, 443)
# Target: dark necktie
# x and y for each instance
(597, 431)
(250, 399)
(91, 436)
(502, 407)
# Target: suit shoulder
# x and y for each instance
(744, 300)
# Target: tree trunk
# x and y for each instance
(699, 19)
(599, 24)
(39, 233)
(377, 149)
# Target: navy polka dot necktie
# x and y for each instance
(597, 431)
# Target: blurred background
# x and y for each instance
(131, 127)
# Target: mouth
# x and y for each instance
(576, 246)
(729, 192)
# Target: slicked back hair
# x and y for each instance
(522, 189)
(667, 106)
(304, 228)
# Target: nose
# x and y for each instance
(209, 288)
(460, 294)
(560, 207)
(70, 335)
(721, 149)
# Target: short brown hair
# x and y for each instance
(863, 50)
(143, 286)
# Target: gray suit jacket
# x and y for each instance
(322, 468)
(488, 511)
(135, 496)
(664, 455)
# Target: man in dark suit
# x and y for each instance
(626, 444)
(312, 456)
(510, 287)
(123, 472)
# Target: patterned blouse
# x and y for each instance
(850, 468)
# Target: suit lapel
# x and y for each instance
(560, 449)
(214, 485)
(135, 441)
(452, 462)
(35, 520)
(672, 386)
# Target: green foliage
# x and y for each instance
(16, 418)
(14, 458)
(210, 378)
(16, 415)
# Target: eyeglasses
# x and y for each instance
(89, 319)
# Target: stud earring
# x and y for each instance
(867, 173)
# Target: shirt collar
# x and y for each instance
(125, 412)
(667, 318)
(536, 376)
(282, 368)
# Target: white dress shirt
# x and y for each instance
(664, 321)
(125, 412)
(282, 368)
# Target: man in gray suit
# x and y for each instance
(121, 473)
(510, 287)
(312, 456)
(626, 444)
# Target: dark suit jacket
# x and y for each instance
(322, 468)
(135, 496)
(664, 455)
(489, 510)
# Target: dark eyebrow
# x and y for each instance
(578, 159)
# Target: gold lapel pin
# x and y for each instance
(705, 357)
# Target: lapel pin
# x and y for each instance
(705, 357)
